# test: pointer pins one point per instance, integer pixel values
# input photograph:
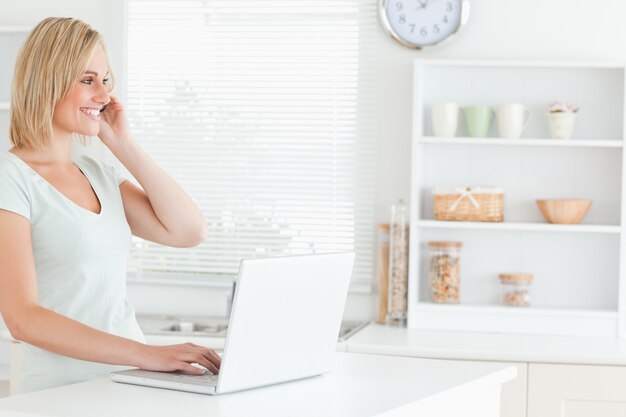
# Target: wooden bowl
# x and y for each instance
(561, 211)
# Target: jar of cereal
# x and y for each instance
(516, 289)
(398, 265)
(444, 273)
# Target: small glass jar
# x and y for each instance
(444, 273)
(516, 289)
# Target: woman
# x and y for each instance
(65, 225)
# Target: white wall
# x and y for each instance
(29, 12)
(505, 29)
(497, 29)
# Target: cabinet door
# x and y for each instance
(576, 391)
(513, 399)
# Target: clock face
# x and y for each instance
(419, 23)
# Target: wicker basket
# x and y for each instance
(476, 204)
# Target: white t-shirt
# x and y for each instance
(80, 261)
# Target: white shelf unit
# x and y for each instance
(579, 286)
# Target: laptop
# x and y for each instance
(284, 324)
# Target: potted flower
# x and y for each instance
(561, 117)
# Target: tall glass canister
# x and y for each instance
(398, 265)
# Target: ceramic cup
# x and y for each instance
(562, 124)
(512, 120)
(478, 120)
(445, 118)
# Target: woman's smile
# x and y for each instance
(92, 112)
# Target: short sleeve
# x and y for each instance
(13, 189)
(110, 172)
(115, 172)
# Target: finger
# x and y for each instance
(201, 360)
(190, 369)
(210, 354)
(217, 359)
(213, 368)
(115, 102)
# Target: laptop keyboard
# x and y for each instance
(204, 378)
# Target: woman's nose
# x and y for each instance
(102, 94)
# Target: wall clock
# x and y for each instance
(422, 23)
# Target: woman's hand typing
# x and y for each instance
(178, 358)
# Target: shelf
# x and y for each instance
(582, 266)
(521, 320)
(529, 227)
(582, 143)
(518, 311)
(4, 105)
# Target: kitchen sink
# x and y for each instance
(215, 327)
(196, 328)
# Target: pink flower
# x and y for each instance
(562, 107)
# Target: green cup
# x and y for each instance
(478, 120)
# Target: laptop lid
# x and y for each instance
(285, 319)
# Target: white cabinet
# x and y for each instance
(11, 38)
(513, 396)
(579, 286)
(576, 391)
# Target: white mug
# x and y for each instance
(512, 120)
(445, 117)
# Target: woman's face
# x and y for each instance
(79, 112)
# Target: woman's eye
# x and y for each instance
(105, 81)
(86, 81)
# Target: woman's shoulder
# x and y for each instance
(11, 165)
(14, 188)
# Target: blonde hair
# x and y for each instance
(53, 57)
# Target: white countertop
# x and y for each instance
(360, 385)
(386, 340)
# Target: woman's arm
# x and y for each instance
(162, 212)
(29, 322)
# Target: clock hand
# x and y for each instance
(423, 4)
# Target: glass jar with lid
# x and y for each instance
(398, 265)
(516, 289)
(444, 273)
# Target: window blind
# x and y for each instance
(259, 110)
